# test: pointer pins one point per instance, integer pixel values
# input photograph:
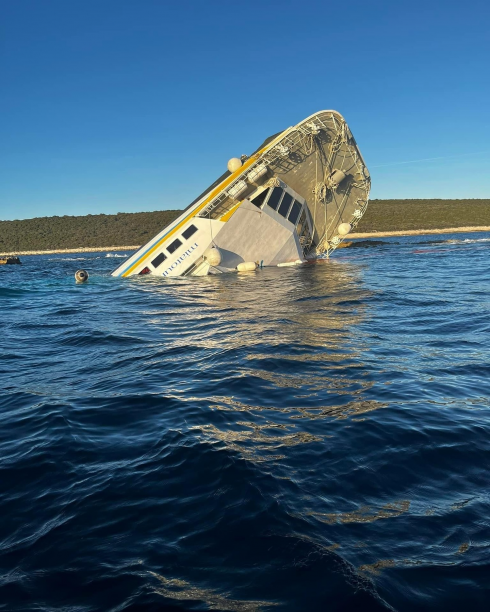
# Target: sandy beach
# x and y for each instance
(420, 232)
(79, 250)
(448, 230)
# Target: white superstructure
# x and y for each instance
(296, 198)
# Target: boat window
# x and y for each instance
(192, 229)
(294, 214)
(146, 270)
(173, 246)
(158, 260)
(275, 197)
(260, 199)
(285, 204)
(301, 223)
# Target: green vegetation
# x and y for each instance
(131, 229)
(52, 233)
(400, 215)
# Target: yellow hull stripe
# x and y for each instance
(222, 186)
(214, 193)
(226, 217)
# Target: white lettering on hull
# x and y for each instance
(180, 259)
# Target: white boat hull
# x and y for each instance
(294, 199)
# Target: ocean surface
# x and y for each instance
(311, 438)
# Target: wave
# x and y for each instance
(456, 241)
(68, 258)
(259, 442)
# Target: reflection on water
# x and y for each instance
(300, 438)
(254, 442)
(351, 409)
(172, 588)
(366, 514)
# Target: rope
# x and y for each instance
(309, 144)
(316, 198)
(211, 231)
(320, 191)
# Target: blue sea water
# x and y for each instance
(311, 438)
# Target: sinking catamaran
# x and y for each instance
(293, 200)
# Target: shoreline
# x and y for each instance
(421, 232)
(79, 250)
(354, 235)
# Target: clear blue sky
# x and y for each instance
(135, 105)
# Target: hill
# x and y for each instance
(400, 215)
(52, 233)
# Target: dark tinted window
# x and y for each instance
(275, 196)
(285, 204)
(192, 229)
(301, 224)
(294, 214)
(174, 246)
(158, 260)
(260, 199)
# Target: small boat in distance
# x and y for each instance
(293, 200)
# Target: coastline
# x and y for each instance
(354, 235)
(79, 250)
(421, 232)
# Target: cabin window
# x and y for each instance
(146, 270)
(192, 229)
(294, 214)
(301, 223)
(285, 204)
(158, 260)
(173, 246)
(260, 199)
(275, 198)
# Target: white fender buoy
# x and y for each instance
(336, 177)
(81, 276)
(233, 164)
(344, 228)
(246, 266)
(286, 264)
(212, 256)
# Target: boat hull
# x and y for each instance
(295, 198)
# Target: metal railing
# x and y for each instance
(295, 138)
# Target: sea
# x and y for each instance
(306, 438)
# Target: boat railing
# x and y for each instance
(293, 138)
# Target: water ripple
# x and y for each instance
(297, 439)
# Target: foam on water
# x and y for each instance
(302, 438)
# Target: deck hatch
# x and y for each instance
(173, 246)
(285, 205)
(192, 229)
(158, 260)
